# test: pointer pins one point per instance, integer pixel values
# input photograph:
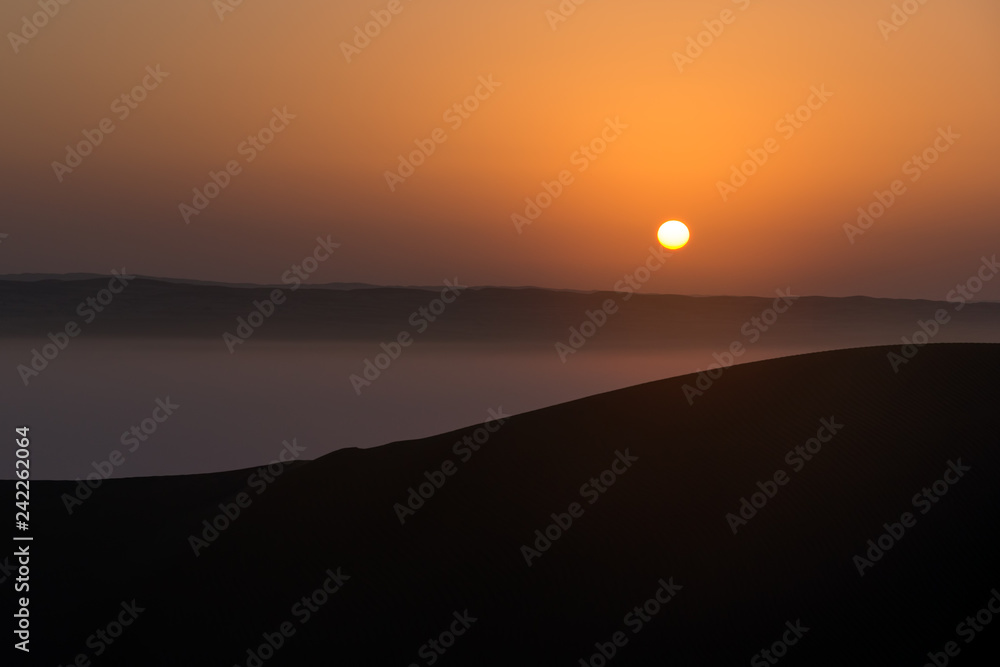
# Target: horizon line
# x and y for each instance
(350, 285)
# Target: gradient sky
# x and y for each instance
(324, 174)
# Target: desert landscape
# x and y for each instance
(537, 332)
(630, 525)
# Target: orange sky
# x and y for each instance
(890, 92)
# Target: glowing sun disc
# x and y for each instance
(673, 234)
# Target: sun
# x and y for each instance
(673, 234)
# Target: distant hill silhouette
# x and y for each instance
(661, 527)
(511, 316)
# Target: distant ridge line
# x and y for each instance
(349, 286)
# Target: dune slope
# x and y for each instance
(653, 522)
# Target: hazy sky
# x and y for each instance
(676, 119)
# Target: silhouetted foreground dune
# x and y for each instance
(649, 560)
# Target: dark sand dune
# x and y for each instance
(663, 518)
